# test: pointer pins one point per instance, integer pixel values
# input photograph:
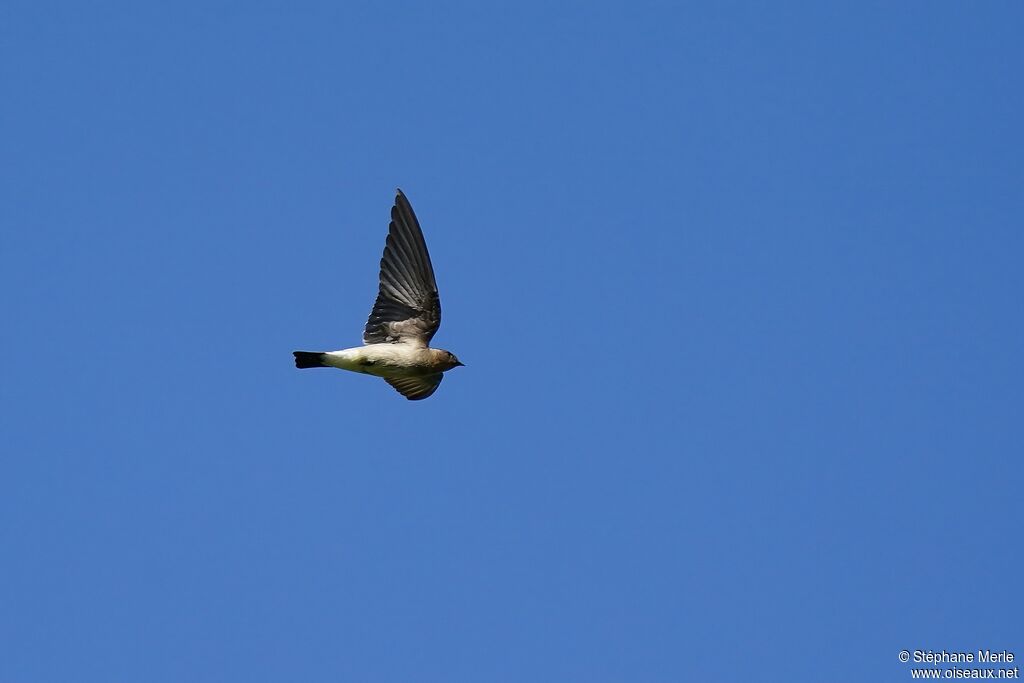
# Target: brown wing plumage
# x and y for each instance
(415, 388)
(408, 307)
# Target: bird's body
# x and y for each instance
(404, 318)
(389, 360)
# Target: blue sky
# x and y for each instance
(737, 286)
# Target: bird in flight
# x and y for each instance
(407, 313)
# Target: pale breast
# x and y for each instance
(396, 360)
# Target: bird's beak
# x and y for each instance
(460, 363)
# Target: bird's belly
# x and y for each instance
(381, 360)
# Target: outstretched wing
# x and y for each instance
(415, 388)
(408, 308)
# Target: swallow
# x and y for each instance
(407, 313)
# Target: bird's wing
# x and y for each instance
(408, 308)
(415, 388)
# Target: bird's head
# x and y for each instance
(452, 361)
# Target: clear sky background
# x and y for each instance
(738, 288)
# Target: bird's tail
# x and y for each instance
(309, 359)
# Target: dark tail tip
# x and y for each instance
(308, 359)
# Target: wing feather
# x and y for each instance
(408, 308)
(415, 388)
